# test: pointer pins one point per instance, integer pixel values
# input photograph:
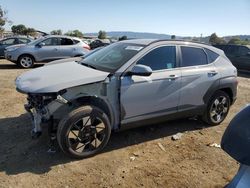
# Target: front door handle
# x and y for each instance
(172, 77)
(212, 73)
(55, 49)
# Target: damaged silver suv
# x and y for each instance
(129, 83)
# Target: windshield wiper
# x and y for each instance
(88, 65)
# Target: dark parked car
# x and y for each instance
(99, 43)
(12, 41)
(238, 54)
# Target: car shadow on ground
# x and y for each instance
(14, 66)
(244, 74)
(20, 154)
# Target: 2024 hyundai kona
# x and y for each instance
(128, 83)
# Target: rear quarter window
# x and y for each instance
(76, 41)
(212, 56)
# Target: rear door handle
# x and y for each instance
(172, 77)
(55, 49)
(212, 73)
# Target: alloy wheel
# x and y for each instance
(86, 134)
(26, 62)
(219, 109)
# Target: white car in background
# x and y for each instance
(48, 48)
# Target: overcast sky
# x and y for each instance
(178, 17)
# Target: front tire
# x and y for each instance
(84, 132)
(26, 61)
(217, 108)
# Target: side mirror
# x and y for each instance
(248, 53)
(140, 70)
(41, 44)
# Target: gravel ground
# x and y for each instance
(133, 158)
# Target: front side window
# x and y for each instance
(51, 42)
(243, 50)
(160, 58)
(232, 50)
(193, 56)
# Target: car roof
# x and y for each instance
(173, 42)
(63, 36)
(17, 37)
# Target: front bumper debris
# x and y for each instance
(41, 109)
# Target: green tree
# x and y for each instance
(234, 41)
(237, 40)
(3, 19)
(19, 29)
(75, 33)
(124, 37)
(56, 32)
(102, 34)
(173, 37)
(30, 31)
(214, 39)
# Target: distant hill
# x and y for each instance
(132, 35)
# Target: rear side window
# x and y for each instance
(160, 58)
(66, 41)
(212, 56)
(51, 42)
(193, 56)
(8, 41)
(23, 41)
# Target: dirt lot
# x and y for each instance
(188, 162)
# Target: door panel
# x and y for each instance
(49, 51)
(195, 83)
(141, 96)
(67, 48)
(155, 95)
(197, 76)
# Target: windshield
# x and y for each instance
(112, 57)
(33, 42)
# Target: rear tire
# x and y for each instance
(25, 61)
(84, 132)
(217, 108)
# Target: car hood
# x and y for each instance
(15, 46)
(53, 78)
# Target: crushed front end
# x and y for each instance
(41, 108)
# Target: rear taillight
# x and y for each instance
(86, 47)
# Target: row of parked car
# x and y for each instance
(25, 52)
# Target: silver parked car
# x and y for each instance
(126, 84)
(16, 40)
(46, 49)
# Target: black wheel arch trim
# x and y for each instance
(227, 84)
(100, 103)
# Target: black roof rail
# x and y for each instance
(177, 40)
